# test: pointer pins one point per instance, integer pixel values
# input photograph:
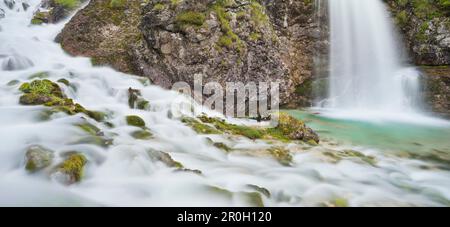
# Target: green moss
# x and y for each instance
(64, 81)
(142, 135)
(117, 4)
(48, 93)
(68, 4)
(136, 121)
(229, 38)
(73, 167)
(281, 155)
(158, 6)
(36, 21)
(190, 18)
(13, 83)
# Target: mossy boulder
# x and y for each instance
(136, 121)
(53, 11)
(337, 156)
(71, 170)
(142, 135)
(37, 158)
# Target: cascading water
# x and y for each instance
(123, 173)
(366, 73)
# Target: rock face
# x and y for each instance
(426, 29)
(223, 40)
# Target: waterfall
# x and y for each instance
(366, 73)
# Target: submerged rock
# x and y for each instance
(71, 170)
(135, 100)
(2, 13)
(48, 93)
(164, 158)
(282, 155)
(16, 62)
(38, 158)
(10, 3)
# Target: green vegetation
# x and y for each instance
(158, 6)
(288, 129)
(142, 135)
(73, 167)
(193, 18)
(68, 4)
(281, 155)
(229, 38)
(48, 93)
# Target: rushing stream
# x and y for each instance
(362, 173)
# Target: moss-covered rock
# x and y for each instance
(71, 170)
(288, 129)
(37, 158)
(281, 155)
(164, 158)
(142, 135)
(136, 121)
(337, 156)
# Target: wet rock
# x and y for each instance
(135, 100)
(142, 135)
(25, 6)
(240, 41)
(426, 29)
(259, 189)
(38, 158)
(136, 121)
(295, 129)
(282, 155)
(13, 83)
(71, 170)
(10, 3)
(164, 158)
(222, 146)
(16, 62)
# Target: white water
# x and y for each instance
(366, 74)
(124, 175)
